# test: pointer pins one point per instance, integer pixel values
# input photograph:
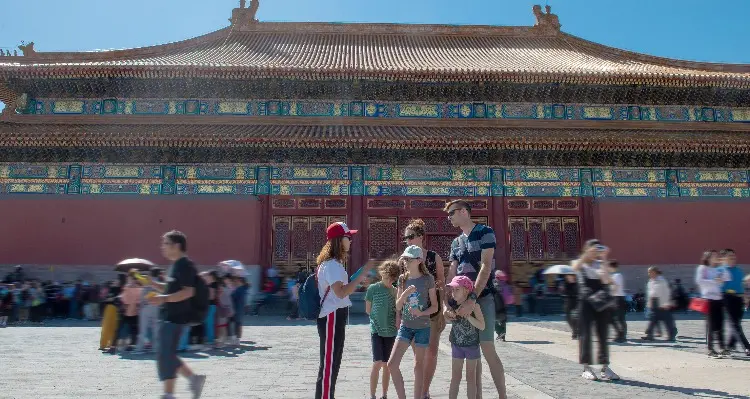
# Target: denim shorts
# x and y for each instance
(465, 352)
(420, 336)
(487, 304)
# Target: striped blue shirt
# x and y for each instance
(467, 251)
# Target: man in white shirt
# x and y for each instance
(618, 291)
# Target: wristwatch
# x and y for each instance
(473, 296)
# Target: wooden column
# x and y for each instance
(266, 237)
(500, 224)
(588, 218)
(356, 221)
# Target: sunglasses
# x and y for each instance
(410, 237)
(451, 213)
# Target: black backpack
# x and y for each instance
(199, 302)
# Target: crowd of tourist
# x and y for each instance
(131, 322)
(31, 301)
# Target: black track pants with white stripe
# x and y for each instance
(331, 330)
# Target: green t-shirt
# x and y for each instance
(383, 311)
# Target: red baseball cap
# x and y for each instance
(339, 229)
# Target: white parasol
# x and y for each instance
(234, 267)
(559, 269)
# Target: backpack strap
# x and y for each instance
(327, 289)
(325, 295)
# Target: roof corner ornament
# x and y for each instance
(27, 49)
(245, 15)
(547, 23)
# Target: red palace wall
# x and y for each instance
(102, 231)
(671, 231)
(95, 231)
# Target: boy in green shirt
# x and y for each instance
(380, 304)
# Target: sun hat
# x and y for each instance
(412, 252)
(462, 281)
(339, 229)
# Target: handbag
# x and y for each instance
(699, 305)
(602, 300)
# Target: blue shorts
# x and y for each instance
(465, 352)
(420, 336)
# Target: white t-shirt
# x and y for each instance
(618, 288)
(705, 278)
(330, 272)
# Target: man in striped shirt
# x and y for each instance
(472, 255)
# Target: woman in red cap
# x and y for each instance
(335, 288)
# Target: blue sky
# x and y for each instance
(686, 29)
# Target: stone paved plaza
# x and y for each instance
(278, 359)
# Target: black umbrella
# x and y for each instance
(141, 265)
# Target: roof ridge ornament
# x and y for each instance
(27, 49)
(546, 23)
(245, 15)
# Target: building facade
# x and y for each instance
(253, 138)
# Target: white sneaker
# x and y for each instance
(196, 348)
(608, 374)
(232, 340)
(589, 374)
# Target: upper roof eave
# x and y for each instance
(82, 64)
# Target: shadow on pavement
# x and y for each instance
(229, 351)
(532, 342)
(687, 391)
(279, 321)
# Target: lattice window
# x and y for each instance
(283, 203)
(432, 225)
(536, 238)
(478, 204)
(517, 227)
(300, 238)
(518, 204)
(445, 225)
(441, 244)
(386, 203)
(383, 237)
(567, 204)
(281, 231)
(318, 226)
(427, 204)
(571, 237)
(553, 230)
(309, 203)
(543, 204)
(335, 203)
